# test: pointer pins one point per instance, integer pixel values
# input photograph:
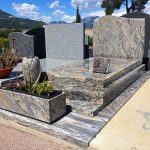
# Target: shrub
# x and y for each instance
(90, 41)
(4, 43)
(44, 88)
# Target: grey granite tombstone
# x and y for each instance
(22, 43)
(117, 37)
(147, 33)
(65, 41)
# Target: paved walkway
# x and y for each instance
(129, 129)
(13, 139)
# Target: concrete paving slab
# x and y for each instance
(129, 129)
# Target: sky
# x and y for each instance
(57, 10)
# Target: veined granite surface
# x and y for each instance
(80, 73)
(46, 110)
(96, 90)
(75, 128)
(116, 37)
(88, 92)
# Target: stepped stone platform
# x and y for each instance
(74, 128)
(88, 92)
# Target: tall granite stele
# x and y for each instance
(116, 37)
(137, 15)
(65, 41)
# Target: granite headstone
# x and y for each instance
(22, 43)
(39, 42)
(117, 37)
(147, 33)
(65, 41)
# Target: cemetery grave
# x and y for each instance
(88, 92)
(96, 88)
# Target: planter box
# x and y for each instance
(43, 109)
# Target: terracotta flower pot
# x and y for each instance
(5, 72)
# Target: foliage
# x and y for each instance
(37, 25)
(111, 5)
(44, 88)
(90, 41)
(4, 43)
(141, 4)
(8, 59)
(5, 32)
(78, 17)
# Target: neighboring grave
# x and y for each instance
(22, 43)
(39, 42)
(147, 32)
(65, 41)
(116, 37)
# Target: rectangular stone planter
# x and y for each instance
(39, 108)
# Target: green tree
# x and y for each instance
(141, 4)
(78, 17)
(37, 25)
(4, 43)
(135, 5)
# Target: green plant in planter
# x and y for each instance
(32, 72)
(44, 88)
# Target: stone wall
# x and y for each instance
(22, 43)
(65, 41)
(117, 37)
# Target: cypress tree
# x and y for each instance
(78, 17)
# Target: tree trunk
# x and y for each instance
(127, 7)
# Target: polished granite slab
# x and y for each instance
(46, 64)
(80, 73)
(87, 92)
(79, 129)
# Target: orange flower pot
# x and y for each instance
(5, 72)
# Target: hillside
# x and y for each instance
(89, 21)
(9, 21)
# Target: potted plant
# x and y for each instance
(29, 97)
(8, 61)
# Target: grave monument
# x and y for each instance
(117, 39)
